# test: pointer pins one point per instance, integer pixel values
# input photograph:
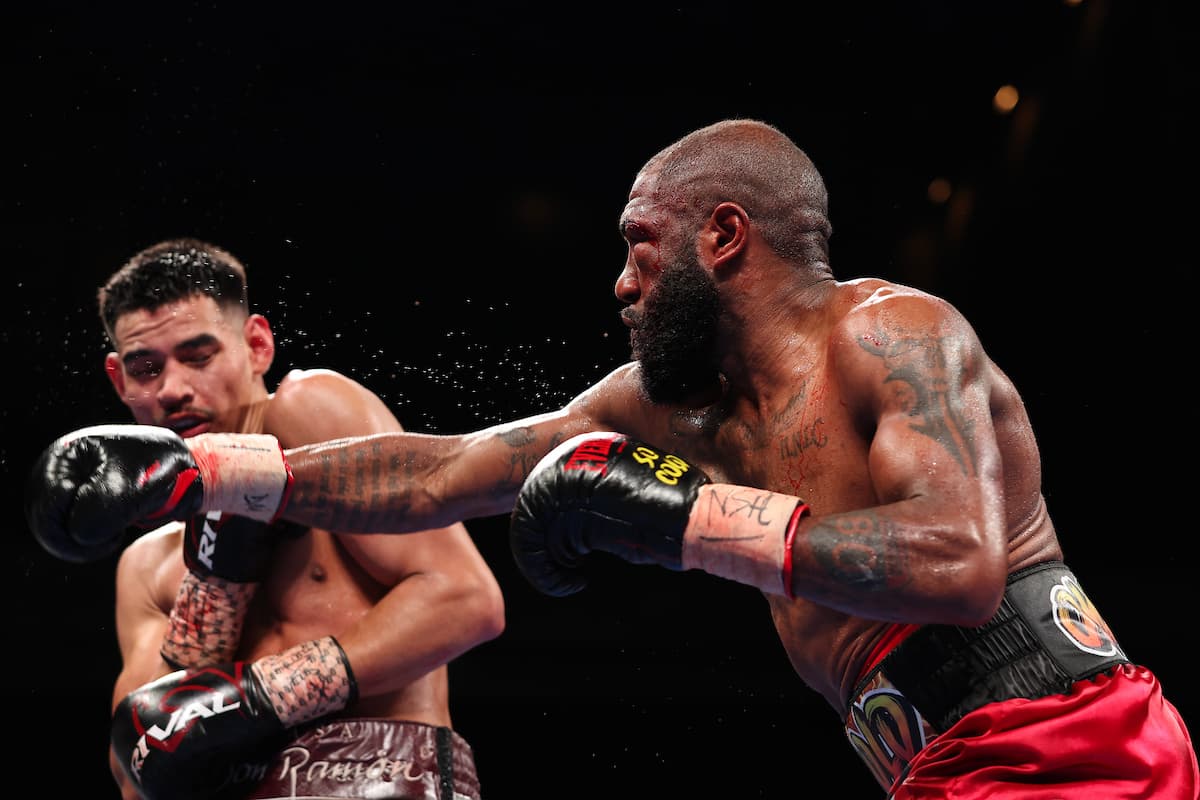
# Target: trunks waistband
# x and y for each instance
(1045, 636)
(377, 758)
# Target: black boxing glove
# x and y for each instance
(177, 737)
(90, 486)
(234, 548)
(601, 491)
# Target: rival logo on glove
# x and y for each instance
(208, 539)
(207, 705)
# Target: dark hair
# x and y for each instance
(169, 271)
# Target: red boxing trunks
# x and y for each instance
(1039, 703)
(1113, 736)
(375, 758)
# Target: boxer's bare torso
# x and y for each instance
(809, 432)
(316, 586)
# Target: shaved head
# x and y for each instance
(757, 166)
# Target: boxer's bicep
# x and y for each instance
(141, 616)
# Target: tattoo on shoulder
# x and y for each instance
(919, 367)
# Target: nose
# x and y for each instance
(175, 387)
(627, 288)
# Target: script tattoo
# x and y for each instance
(807, 435)
(920, 365)
(859, 549)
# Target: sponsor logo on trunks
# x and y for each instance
(303, 774)
(1079, 621)
(886, 730)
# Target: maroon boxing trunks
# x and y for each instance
(367, 758)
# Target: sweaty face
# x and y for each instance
(185, 365)
(676, 332)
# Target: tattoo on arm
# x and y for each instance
(524, 457)
(931, 397)
(860, 549)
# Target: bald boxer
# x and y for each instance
(264, 659)
(848, 448)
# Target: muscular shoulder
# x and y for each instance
(153, 564)
(883, 328)
(318, 404)
(874, 313)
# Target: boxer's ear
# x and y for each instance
(724, 236)
(116, 375)
(260, 343)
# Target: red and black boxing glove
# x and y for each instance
(179, 737)
(601, 491)
(176, 737)
(90, 486)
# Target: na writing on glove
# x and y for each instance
(90, 486)
(606, 492)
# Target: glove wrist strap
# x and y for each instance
(243, 473)
(743, 534)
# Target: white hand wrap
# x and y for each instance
(243, 473)
(743, 534)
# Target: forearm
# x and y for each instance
(901, 562)
(205, 624)
(423, 623)
(126, 787)
(396, 483)
(888, 562)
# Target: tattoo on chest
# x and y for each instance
(918, 366)
(806, 435)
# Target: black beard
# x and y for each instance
(675, 339)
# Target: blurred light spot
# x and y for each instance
(1005, 99)
(938, 190)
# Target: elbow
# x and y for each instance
(977, 586)
(487, 610)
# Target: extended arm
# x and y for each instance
(442, 598)
(931, 549)
(90, 486)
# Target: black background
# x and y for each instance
(426, 199)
